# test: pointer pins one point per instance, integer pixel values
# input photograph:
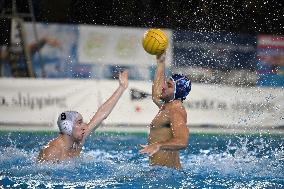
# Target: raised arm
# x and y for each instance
(159, 80)
(106, 108)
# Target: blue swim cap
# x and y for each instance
(182, 86)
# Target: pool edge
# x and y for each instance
(144, 130)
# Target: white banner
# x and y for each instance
(32, 102)
(38, 102)
(115, 45)
(235, 106)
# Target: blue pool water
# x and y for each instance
(111, 160)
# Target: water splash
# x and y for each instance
(220, 162)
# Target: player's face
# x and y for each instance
(168, 90)
(79, 129)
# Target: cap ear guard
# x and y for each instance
(66, 127)
(66, 121)
(182, 86)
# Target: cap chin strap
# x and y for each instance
(173, 97)
(175, 88)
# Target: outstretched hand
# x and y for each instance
(123, 79)
(150, 149)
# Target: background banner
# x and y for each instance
(92, 51)
(58, 61)
(214, 50)
(37, 102)
(270, 64)
(115, 45)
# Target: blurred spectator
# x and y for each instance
(13, 58)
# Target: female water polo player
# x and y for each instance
(168, 130)
(73, 131)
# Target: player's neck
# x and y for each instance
(67, 141)
(173, 101)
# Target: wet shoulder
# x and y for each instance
(176, 106)
(57, 142)
(53, 145)
(51, 151)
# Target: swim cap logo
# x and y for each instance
(63, 116)
(187, 83)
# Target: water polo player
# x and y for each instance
(168, 130)
(73, 130)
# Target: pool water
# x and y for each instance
(111, 160)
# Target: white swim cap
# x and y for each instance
(66, 121)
